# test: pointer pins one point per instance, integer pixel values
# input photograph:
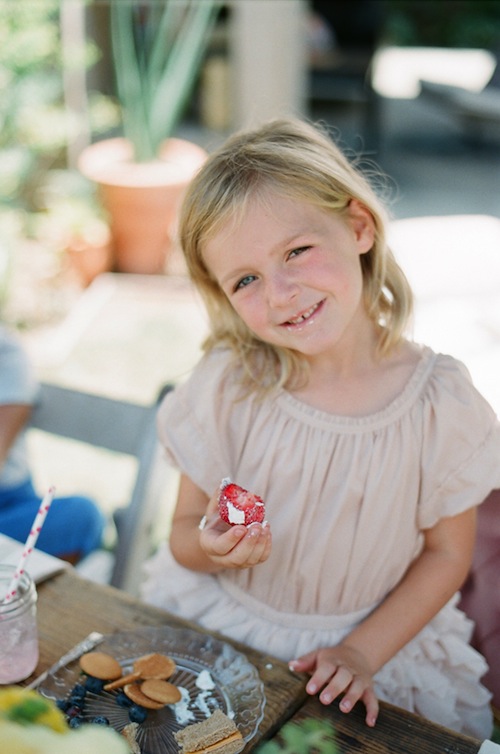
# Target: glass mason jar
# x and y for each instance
(18, 628)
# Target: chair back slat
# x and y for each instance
(123, 427)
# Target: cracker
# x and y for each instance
(134, 693)
(100, 665)
(161, 691)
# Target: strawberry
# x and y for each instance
(238, 506)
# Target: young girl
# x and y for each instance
(370, 451)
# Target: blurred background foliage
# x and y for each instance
(36, 127)
(42, 197)
(36, 131)
(443, 23)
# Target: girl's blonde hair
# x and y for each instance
(300, 162)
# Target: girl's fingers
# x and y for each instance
(237, 546)
(372, 707)
(322, 678)
(304, 663)
(354, 693)
(341, 680)
(252, 548)
(259, 537)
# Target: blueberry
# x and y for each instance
(76, 699)
(122, 700)
(137, 714)
(100, 720)
(95, 685)
(62, 704)
(74, 710)
(75, 722)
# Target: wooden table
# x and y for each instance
(69, 608)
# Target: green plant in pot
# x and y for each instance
(157, 49)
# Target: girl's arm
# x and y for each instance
(218, 545)
(429, 583)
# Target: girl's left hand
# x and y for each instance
(337, 670)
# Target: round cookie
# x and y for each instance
(147, 666)
(100, 665)
(154, 666)
(161, 691)
(135, 694)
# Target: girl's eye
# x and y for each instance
(296, 252)
(244, 282)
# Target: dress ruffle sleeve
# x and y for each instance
(461, 455)
(189, 424)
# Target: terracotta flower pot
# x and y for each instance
(142, 199)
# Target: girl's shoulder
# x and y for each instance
(460, 442)
(211, 380)
(215, 367)
(450, 379)
(441, 385)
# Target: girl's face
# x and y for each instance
(292, 272)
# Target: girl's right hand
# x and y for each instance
(340, 670)
(233, 546)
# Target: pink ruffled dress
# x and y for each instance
(347, 500)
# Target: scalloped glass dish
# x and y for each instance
(237, 688)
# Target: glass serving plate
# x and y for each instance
(236, 686)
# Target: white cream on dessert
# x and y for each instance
(235, 515)
(205, 682)
(183, 714)
(204, 701)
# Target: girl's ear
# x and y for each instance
(363, 225)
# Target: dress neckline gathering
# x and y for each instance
(387, 415)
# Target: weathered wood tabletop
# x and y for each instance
(396, 731)
(69, 608)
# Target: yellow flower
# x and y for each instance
(35, 739)
(30, 708)
(32, 724)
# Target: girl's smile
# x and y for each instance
(292, 272)
(306, 318)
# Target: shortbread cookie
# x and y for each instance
(161, 691)
(134, 693)
(148, 666)
(100, 665)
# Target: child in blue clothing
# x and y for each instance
(74, 525)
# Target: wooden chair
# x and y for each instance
(124, 428)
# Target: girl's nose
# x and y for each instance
(280, 289)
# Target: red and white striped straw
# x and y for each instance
(30, 543)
